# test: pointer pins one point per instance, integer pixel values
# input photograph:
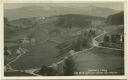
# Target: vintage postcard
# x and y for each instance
(64, 39)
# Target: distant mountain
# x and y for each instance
(52, 10)
(116, 19)
(60, 21)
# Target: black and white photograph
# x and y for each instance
(64, 39)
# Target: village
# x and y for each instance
(115, 40)
(63, 39)
(24, 44)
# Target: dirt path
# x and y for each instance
(96, 43)
(31, 71)
(92, 61)
(8, 65)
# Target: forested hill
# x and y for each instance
(76, 20)
(61, 21)
(50, 25)
(8, 28)
(116, 19)
(68, 28)
(48, 10)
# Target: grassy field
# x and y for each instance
(8, 58)
(40, 54)
(63, 28)
(99, 58)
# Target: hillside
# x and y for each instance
(54, 37)
(62, 21)
(76, 20)
(68, 24)
(9, 29)
(52, 10)
(116, 19)
(58, 29)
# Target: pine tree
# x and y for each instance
(69, 67)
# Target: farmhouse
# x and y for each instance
(119, 38)
(113, 40)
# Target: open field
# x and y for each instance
(63, 39)
(99, 58)
(41, 54)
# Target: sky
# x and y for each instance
(111, 5)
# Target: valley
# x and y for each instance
(40, 45)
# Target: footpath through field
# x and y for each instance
(85, 59)
(99, 59)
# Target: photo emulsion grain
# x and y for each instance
(63, 39)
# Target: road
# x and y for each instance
(8, 64)
(91, 59)
(94, 44)
(31, 71)
(79, 52)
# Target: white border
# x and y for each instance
(1, 38)
(64, 1)
(36, 1)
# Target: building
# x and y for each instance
(115, 38)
